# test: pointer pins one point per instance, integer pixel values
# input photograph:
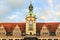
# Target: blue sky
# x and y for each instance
(16, 10)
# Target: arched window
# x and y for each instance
(30, 25)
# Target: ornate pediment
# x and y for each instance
(16, 31)
(44, 31)
(58, 31)
(2, 31)
(44, 28)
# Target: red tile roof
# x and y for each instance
(10, 26)
(51, 26)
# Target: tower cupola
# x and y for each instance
(30, 13)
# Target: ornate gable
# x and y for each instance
(2, 31)
(44, 31)
(58, 31)
(17, 31)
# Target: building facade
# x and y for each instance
(30, 30)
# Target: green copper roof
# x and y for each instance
(30, 14)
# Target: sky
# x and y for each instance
(16, 10)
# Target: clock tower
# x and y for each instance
(30, 21)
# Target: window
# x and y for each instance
(10, 39)
(3, 39)
(23, 34)
(44, 28)
(49, 39)
(37, 34)
(39, 39)
(45, 33)
(55, 39)
(52, 33)
(30, 25)
(30, 33)
(22, 39)
(16, 39)
(43, 39)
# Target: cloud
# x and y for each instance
(13, 17)
(48, 15)
(50, 3)
(57, 15)
(51, 14)
(57, 7)
(43, 17)
(7, 5)
(16, 3)
(3, 8)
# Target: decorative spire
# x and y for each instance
(30, 7)
(30, 13)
